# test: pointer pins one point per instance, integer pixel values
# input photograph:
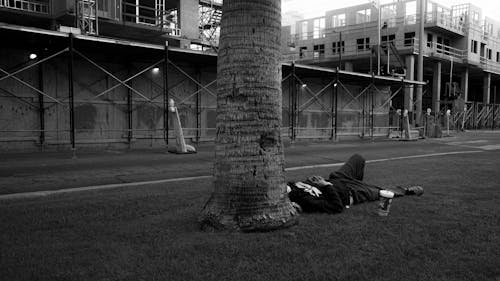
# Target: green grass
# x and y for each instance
(452, 232)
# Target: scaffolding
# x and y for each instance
(318, 102)
(87, 17)
(210, 18)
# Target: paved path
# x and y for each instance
(43, 173)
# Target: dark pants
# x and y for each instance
(351, 174)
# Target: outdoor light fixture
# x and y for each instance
(33, 56)
(304, 85)
(155, 70)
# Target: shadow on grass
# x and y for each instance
(450, 233)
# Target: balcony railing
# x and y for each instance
(165, 20)
(443, 51)
(454, 24)
(40, 7)
(490, 65)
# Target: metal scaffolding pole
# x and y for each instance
(71, 94)
(198, 105)
(165, 94)
(129, 114)
(402, 109)
(363, 116)
(373, 105)
(293, 103)
(41, 109)
(332, 104)
(493, 107)
(336, 100)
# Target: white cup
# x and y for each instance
(385, 201)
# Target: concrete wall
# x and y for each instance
(103, 121)
(98, 121)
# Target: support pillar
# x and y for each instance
(486, 88)
(436, 87)
(420, 63)
(464, 85)
(408, 91)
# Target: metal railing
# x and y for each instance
(455, 24)
(152, 17)
(40, 7)
(476, 116)
(444, 51)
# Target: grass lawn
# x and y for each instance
(452, 232)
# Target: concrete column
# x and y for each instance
(410, 74)
(436, 87)
(420, 62)
(486, 87)
(189, 17)
(348, 66)
(464, 85)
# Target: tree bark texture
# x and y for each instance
(249, 181)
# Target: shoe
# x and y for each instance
(414, 190)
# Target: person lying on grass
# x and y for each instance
(344, 188)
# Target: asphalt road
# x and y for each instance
(54, 171)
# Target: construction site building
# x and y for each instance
(97, 74)
(461, 54)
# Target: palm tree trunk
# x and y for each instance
(249, 184)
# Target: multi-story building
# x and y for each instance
(461, 50)
(78, 73)
(153, 21)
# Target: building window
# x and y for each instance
(363, 44)
(446, 43)
(411, 12)
(319, 51)
(429, 40)
(338, 20)
(488, 53)
(409, 39)
(303, 30)
(439, 44)
(498, 56)
(473, 46)
(338, 47)
(302, 52)
(319, 28)
(363, 16)
(391, 37)
(488, 28)
(475, 16)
